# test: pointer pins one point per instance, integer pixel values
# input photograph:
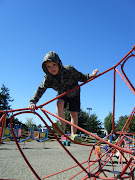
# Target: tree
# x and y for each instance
(30, 122)
(5, 98)
(83, 120)
(39, 126)
(91, 124)
(108, 122)
(16, 121)
(132, 125)
(95, 125)
(121, 122)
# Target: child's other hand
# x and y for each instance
(32, 107)
(94, 73)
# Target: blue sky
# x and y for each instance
(86, 34)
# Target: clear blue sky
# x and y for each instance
(86, 34)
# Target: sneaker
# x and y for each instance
(59, 126)
(76, 138)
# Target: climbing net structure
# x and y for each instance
(96, 168)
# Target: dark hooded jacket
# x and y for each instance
(66, 80)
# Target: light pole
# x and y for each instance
(89, 110)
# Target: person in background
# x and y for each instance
(98, 150)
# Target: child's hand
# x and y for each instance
(94, 73)
(32, 107)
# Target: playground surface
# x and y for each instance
(45, 161)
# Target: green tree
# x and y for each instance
(121, 122)
(16, 121)
(132, 125)
(5, 98)
(108, 123)
(91, 124)
(95, 125)
(39, 126)
(83, 120)
(30, 122)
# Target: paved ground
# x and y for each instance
(45, 161)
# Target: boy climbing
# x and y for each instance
(61, 78)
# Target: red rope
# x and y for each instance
(132, 55)
(130, 87)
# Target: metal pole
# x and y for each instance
(89, 110)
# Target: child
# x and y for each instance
(61, 78)
(106, 147)
(98, 150)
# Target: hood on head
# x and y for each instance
(53, 57)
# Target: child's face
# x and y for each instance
(52, 67)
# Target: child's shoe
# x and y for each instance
(76, 138)
(59, 126)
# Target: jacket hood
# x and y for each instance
(53, 57)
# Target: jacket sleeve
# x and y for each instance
(80, 76)
(38, 93)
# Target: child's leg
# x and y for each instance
(60, 111)
(74, 120)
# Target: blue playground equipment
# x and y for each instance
(37, 135)
(7, 135)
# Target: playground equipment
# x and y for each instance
(7, 135)
(96, 168)
(36, 135)
(65, 141)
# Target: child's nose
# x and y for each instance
(51, 67)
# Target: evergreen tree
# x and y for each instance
(91, 124)
(121, 122)
(5, 98)
(108, 122)
(95, 125)
(83, 120)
